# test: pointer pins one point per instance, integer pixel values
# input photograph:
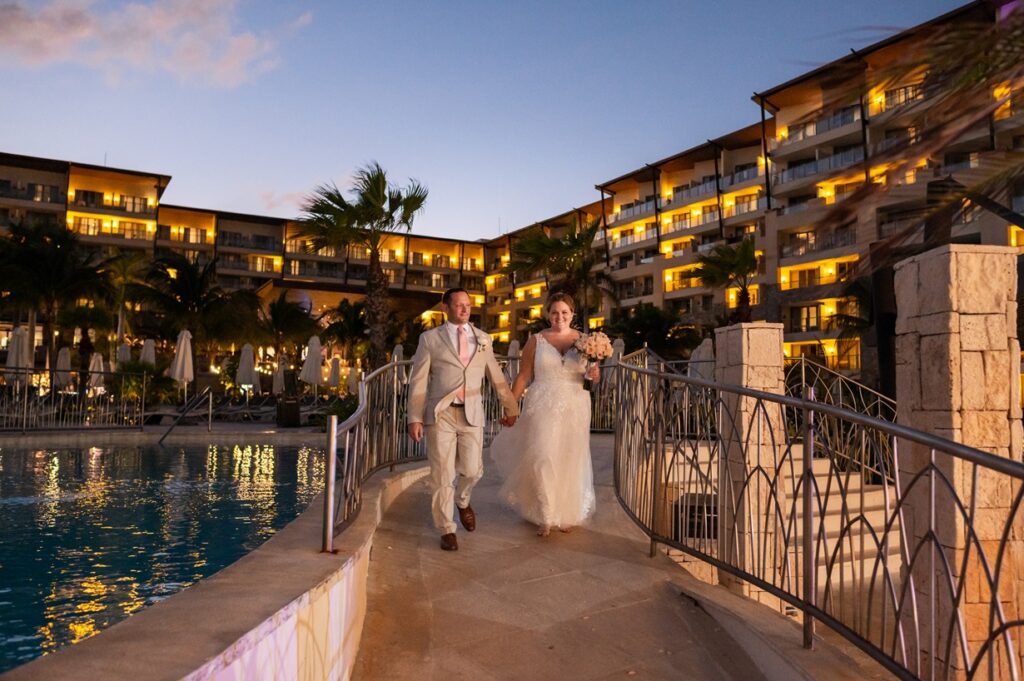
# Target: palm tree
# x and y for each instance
(286, 323)
(567, 260)
(186, 295)
(46, 269)
(127, 271)
(347, 327)
(377, 209)
(658, 329)
(727, 266)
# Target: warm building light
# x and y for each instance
(668, 276)
(666, 221)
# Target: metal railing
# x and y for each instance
(874, 463)
(80, 400)
(716, 472)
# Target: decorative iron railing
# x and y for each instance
(922, 573)
(78, 400)
(831, 387)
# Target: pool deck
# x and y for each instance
(510, 605)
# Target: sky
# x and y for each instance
(509, 112)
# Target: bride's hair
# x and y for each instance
(559, 298)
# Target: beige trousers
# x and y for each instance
(453, 447)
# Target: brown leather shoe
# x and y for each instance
(449, 542)
(468, 518)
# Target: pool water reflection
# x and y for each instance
(89, 536)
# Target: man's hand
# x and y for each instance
(508, 421)
(416, 431)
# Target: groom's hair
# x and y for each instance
(447, 297)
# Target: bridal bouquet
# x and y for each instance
(595, 347)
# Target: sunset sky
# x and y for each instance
(509, 112)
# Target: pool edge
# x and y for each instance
(283, 611)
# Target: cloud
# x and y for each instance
(195, 41)
(292, 200)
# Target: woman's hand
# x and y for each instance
(593, 372)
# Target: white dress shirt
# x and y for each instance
(453, 333)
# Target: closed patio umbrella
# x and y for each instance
(18, 363)
(311, 366)
(62, 370)
(334, 377)
(124, 354)
(96, 370)
(181, 369)
(247, 377)
(148, 354)
(277, 387)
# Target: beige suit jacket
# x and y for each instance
(437, 374)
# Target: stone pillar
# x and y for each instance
(753, 438)
(958, 377)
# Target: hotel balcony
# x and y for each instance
(689, 222)
(801, 175)
(813, 242)
(634, 211)
(741, 177)
(318, 270)
(675, 285)
(253, 242)
(472, 265)
(695, 192)
(887, 106)
(745, 209)
(33, 195)
(810, 279)
(188, 237)
(839, 127)
(96, 202)
(635, 239)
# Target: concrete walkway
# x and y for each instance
(511, 605)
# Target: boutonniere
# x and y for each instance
(484, 343)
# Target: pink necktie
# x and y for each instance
(464, 356)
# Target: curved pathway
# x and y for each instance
(510, 605)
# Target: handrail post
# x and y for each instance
(332, 451)
(659, 455)
(209, 413)
(142, 405)
(810, 566)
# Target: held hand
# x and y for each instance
(508, 421)
(416, 431)
(593, 372)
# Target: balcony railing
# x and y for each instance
(796, 281)
(744, 207)
(39, 193)
(693, 192)
(635, 209)
(834, 162)
(679, 283)
(741, 176)
(815, 244)
(796, 133)
(255, 243)
(634, 238)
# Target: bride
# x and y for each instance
(545, 458)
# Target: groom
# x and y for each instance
(445, 403)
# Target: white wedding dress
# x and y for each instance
(545, 457)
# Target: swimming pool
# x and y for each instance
(89, 536)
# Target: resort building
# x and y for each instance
(772, 181)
